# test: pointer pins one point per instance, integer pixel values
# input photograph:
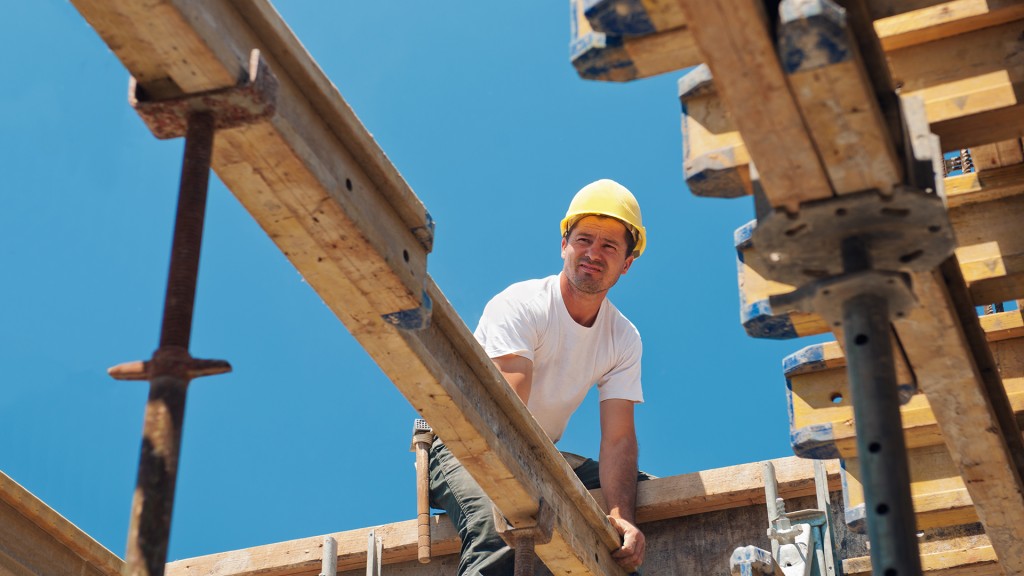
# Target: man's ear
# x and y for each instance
(628, 263)
(564, 243)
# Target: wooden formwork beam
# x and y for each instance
(321, 188)
(35, 539)
(659, 499)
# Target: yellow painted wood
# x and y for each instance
(715, 160)
(985, 185)
(973, 79)
(937, 490)
(821, 396)
(944, 19)
(962, 556)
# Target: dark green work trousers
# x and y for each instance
(453, 490)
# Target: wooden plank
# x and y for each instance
(733, 37)
(984, 210)
(969, 83)
(35, 539)
(955, 554)
(821, 414)
(353, 238)
(944, 19)
(600, 56)
(633, 17)
(836, 97)
(936, 488)
(991, 248)
(984, 186)
(997, 154)
(657, 500)
(715, 160)
(947, 368)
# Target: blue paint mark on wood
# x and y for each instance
(808, 359)
(816, 442)
(413, 318)
(619, 17)
(812, 35)
(742, 237)
(598, 56)
(857, 519)
(759, 322)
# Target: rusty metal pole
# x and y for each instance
(171, 368)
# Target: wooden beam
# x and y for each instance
(939, 495)
(944, 19)
(967, 555)
(633, 17)
(608, 57)
(733, 37)
(984, 209)
(821, 414)
(326, 194)
(35, 539)
(715, 160)
(971, 84)
(659, 499)
(834, 92)
(997, 154)
(957, 382)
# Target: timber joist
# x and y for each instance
(318, 184)
(811, 106)
(963, 57)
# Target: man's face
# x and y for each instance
(595, 254)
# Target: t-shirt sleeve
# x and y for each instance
(623, 381)
(507, 327)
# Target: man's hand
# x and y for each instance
(631, 555)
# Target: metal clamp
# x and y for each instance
(253, 99)
(523, 539)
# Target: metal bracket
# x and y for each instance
(908, 231)
(253, 99)
(523, 539)
(826, 297)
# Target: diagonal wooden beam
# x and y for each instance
(734, 38)
(35, 539)
(976, 421)
(321, 188)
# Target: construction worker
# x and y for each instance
(553, 339)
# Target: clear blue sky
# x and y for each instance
(477, 105)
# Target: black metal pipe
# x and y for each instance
(892, 529)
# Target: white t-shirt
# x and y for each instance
(529, 319)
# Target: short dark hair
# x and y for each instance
(630, 236)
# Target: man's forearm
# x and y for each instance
(618, 461)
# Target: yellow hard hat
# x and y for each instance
(608, 198)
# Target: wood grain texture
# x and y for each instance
(940, 352)
(302, 176)
(733, 37)
(36, 540)
(944, 19)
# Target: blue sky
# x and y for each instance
(479, 108)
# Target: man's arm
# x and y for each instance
(618, 461)
(518, 372)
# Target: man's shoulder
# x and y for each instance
(620, 323)
(528, 289)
